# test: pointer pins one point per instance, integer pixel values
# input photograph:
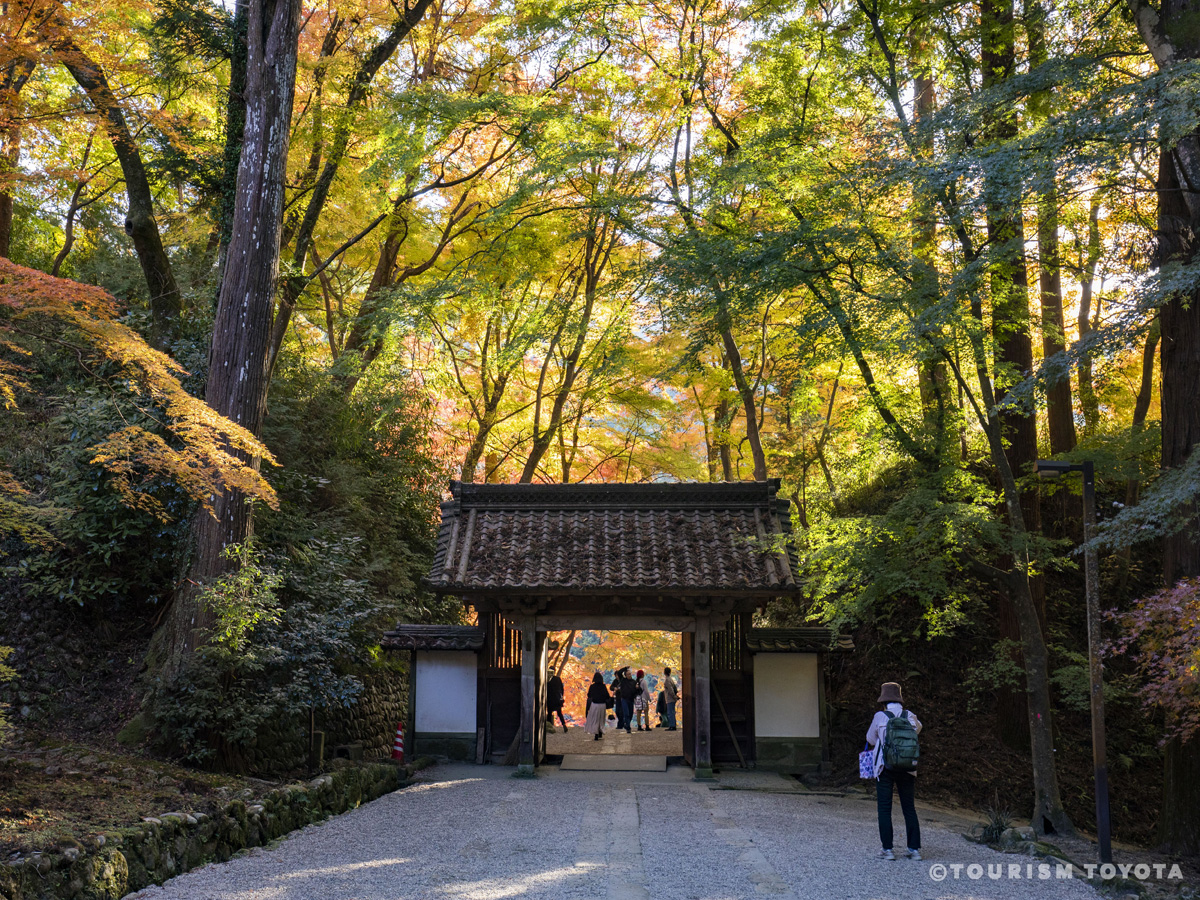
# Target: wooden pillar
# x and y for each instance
(410, 729)
(702, 667)
(529, 666)
(542, 645)
(823, 712)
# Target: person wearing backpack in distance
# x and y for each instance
(893, 735)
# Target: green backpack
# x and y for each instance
(901, 752)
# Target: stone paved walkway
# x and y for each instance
(474, 833)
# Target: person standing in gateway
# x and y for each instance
(555, 692)
(671, 696)
(895, 769)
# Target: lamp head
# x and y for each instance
(1049, 468)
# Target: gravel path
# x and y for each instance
(472, 833)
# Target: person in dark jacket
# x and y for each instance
(597, 707)
(615, 687)
(627, 690)
(554, 700)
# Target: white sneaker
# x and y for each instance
(913, 854)
(886, 854)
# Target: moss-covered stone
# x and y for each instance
(153, 851)
(135, 732)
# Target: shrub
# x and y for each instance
(285, 642)
(7, 673)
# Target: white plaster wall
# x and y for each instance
(786, 699)
(446, 691)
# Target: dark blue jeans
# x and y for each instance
(624, 712)
(670, 717)
(905, 784)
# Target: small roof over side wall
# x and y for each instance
(433, 637)
(796, 640)
(615, 540)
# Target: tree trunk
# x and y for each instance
(1178, 223)
(1141, 406)
(596, 255)
(1088, 402)
(1009, 281)
(474, 453)
(932, 374)
(15, 75)
(238, 377)
(710, 447)
(166, 302)
(365, 341)
(10, 159)
(360, 86)
(235, 126)
(1059, 413)
(1048, 814)
(746, 392)
(1006, 234)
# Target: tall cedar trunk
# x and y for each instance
(932, 375)
(1179, 826)
(1172, 38)
(235, 126)
(166, 302)
(1089, 404)
(237, 375)
(1013, 345)
(1060, 417)
(360, 86)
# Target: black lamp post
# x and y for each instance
(1091, 569)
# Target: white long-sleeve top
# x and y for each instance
(879, 726)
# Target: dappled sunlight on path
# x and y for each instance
(475, 833)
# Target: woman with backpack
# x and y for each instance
(893, 735)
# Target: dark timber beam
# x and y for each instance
(701, 671)
(530, 659)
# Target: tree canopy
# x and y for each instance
(891, 252)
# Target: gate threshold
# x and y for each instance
(612, 762)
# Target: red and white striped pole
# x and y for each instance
(398, 746)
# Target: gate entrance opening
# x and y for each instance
(575, 656)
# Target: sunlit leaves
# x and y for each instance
(199, 451)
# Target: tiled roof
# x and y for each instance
(433, 637)
(795, 640)
(614, 539)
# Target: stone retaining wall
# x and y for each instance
(281, 746)
(371, 721)
(128, 859)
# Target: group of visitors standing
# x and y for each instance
(629, 697)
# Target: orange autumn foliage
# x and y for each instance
(203, 453)
(649, 650)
